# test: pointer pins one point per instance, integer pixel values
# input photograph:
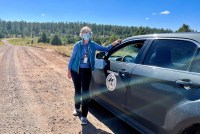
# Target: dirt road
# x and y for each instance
(36, 97)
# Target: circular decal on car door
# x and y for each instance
(111, 82)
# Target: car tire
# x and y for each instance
(194, 129)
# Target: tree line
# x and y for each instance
(68, 32)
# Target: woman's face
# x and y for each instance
(86, 35)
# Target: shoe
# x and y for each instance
(83, 121)
(76, 112)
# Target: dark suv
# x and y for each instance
(152, 82)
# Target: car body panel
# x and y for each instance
(150, 98)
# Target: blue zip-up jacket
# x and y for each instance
(74, 62)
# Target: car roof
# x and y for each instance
(190, 35)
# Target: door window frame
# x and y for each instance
(128, 42)
(194, 61)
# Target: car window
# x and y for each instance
(174, 54)
(195, 67)
(128, 53)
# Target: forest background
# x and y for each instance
(62, 34)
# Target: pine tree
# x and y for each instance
(44, 38)
(1, 35)
(184, 28)
(56, 40)
(111, 39)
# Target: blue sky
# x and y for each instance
(165, 14)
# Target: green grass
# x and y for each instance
(1, 43)
(22, 41)
(64, 50)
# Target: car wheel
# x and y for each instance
(194, 129)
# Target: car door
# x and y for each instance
(161, 81)
(110, 82)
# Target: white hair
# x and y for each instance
(85, 29)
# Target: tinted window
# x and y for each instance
(195, 67)
(127, 53)
(174, 54)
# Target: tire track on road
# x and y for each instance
(13, 114)
(47, 88)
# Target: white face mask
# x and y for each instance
(86, 36)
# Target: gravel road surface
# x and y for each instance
(36, 97)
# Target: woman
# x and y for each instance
(80, 69)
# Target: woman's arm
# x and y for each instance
(72, 57)
(71, 61)
(102, 48)
(107, 48)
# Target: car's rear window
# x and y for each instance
(174, 54)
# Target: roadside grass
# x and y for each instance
(22, 41)
(1, 43)
(65, 50)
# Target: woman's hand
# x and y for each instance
(69, 74)
(116, 42)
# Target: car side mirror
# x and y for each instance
(100, 55)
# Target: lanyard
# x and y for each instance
(86, 52)
(85, 60)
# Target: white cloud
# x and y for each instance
(154, 13)
(147, 18)
(43, 14)
(165, 12)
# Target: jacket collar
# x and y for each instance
(88, 42)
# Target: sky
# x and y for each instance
(167, 14)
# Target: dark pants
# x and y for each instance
(81, 84)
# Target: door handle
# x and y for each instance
(187, 84)
(124, 73)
